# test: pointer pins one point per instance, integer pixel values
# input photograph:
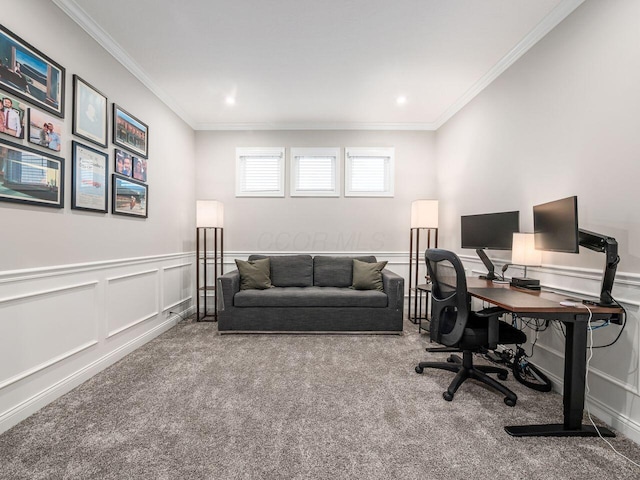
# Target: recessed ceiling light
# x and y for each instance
(230, 100)
(401, 100)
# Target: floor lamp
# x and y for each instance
(209, 218)
(424, 216)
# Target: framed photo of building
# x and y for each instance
(90, 179)
(130, 133)
(30, 74)
(89, 112)
(31, 176)
(129, 197)
(13, 114)
(45, 130)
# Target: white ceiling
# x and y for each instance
(319, 64)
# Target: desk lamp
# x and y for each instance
(524, 253)
(209, 216)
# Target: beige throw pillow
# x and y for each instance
(367, 276)
(254, 274)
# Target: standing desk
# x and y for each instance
(546, 305)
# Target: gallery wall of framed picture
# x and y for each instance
(34, 138)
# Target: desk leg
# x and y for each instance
(575, 364)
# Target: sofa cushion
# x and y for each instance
(368, 276)
(335, 271)
(254, 274)
(310, 297)
(290, 270)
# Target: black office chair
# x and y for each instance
(453, 324)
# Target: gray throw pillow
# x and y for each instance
(368, 276)
(254, 274)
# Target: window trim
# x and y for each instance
(257, 152)
(314, 152)
(353, 152)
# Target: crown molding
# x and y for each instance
(557, 15)
(78, 15)
(314, 126)
(548, 23)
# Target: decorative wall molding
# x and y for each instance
(47, 364)
(78, 15)
(40, 293)
(32, 404)
(180, 265)
(557, 15)
(144, 280)
(131, 324)
(29, 274)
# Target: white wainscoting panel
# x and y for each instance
(614, 372)
(32, 319)
(61, 325)
(177, 285)
(131, 299)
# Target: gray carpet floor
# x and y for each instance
(192, 404)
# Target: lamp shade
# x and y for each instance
(209, 214)
(524, 252)
(424, 214)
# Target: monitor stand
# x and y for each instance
(488, 264)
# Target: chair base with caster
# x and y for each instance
(464, 369)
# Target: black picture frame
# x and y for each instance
(123, 162)
(130, 133)
(129, 197)
(54, 138)
(31, 176)
(90, 112)
(140, 169)
(90, 178)
(30, 74)
(12, 106)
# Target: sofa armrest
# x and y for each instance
(228, 286)
(393, 285)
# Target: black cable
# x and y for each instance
(624, 323)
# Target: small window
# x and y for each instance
(315, 172)
(369, 172)
(260, 172)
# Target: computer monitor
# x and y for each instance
(556, 229)
(492, 231)
(555, 225)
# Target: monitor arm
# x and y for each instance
(608, 245)
(488, 264)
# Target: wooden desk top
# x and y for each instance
(521, 300)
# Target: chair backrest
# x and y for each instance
(450, 301)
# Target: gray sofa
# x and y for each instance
(310, 295)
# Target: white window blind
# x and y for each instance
(369, 172)
(260, 172)
(315, 172)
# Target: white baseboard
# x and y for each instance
(31, 405)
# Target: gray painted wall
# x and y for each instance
(316, 224)
(563, 121)
(36, 236)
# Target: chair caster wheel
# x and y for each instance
(451, 359)
(502, 376)
(419, 369)
(510, 401)
(447, 396)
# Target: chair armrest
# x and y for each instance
(228, 286)
(393, 285)
(492, 314)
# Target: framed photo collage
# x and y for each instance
(33, 135)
